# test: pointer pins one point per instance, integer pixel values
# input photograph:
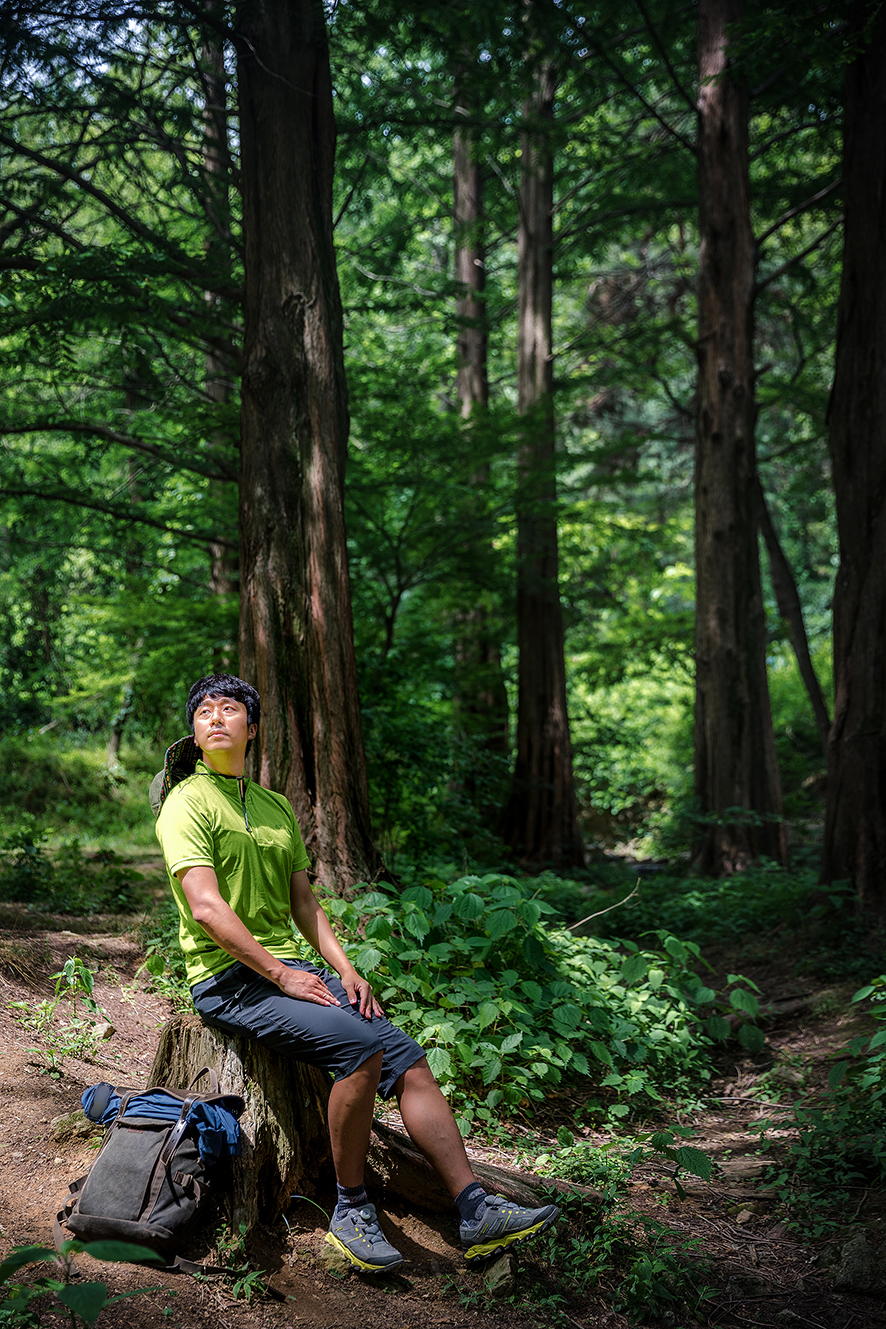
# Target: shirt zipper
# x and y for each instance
(243, 802)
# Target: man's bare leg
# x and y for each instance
(428, 1119)
(351, 1105)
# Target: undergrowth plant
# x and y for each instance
(77, 1303)
(73, 1037)
(68, 881)
(841, 1135)
(507, 1007)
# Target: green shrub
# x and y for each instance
(508, 1008)
(841, 1137)
(69, 882)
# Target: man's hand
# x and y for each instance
(360, 994)
(306, 987)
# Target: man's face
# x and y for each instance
(221, 726)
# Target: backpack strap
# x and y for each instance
(213, 1080)
(66, 1210)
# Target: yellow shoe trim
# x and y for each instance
(498, 1243)
(332, 1240)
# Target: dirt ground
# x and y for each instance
(762, 1274)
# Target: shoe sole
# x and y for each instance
(362, 1265)
(484, 1249)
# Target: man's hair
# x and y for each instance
(224, 685)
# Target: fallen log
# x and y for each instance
(285, 1136)
(396, 1166)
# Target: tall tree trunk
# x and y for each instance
(735, 762)
(223, 565)
(481, 701)
(855, 826)
(539, 820)
(787, 598)
(296, 630)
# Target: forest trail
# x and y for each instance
(761, 1272)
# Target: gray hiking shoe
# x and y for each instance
(501, 1223)
(358, 1237)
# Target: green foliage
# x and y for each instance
(507, 1007)
(642, 1268)
(841, 1135)
(63, 780)
(609, 1166)
(712, 912)
(75, 1036)
(68, 882)
(77, 1302)
(164, 962)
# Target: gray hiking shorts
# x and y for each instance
(337, 1038)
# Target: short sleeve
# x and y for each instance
(300, 859)
(185, 834)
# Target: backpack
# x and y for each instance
(151, 1174)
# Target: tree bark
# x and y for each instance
(736, 773)
(296, 631)
(285, 1137)
(284, 1134)
(788, 600)
(855, 825)
(480, 698)
(539, 821)
(220, 371)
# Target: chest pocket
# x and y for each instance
(276, 841)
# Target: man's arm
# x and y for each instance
(218, 920)
(316, 929)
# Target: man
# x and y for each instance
(237, 868)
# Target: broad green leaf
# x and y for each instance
(367, 958)
(602, 1053)
(634, 968)
(656, 978)
(694, 1161)
(487, 1014)
(419, 895)
(121, 1251)
(439, 1061)
(491, 1070)
(84, 1299)
(512, 1042)
(751, 1037)
(565, 1138)
(863, 992)
(675, 947)
(500, 923)
(836, 1074)
(23, 1255)
(717, 1027)
(469, 906)
(744, 1001)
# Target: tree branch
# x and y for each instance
(690, 101)
(76, 500)
(186, 268)
(779, 272)
(224, 473)
(795, 212)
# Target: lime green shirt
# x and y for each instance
(202, 824)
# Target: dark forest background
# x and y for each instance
(499, 386)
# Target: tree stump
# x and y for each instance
(286, 1139)
(284, 1133)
